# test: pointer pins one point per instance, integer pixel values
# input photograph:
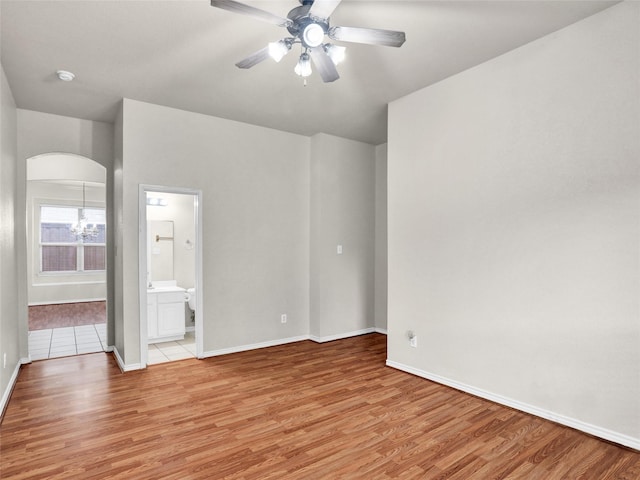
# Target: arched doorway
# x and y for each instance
(66, 255)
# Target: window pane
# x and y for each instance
(94, 257)
(56, 222)
(55, 227)
(67, 215)
(95, 215)
(56, 233)
(59, 259)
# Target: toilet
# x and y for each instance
(191, 298)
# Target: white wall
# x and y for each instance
(118, 237)
(342, 213)
(9, 332)
(255, 185)
(380, 306)
(514, 227)
(40, 133)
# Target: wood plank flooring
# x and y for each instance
(297, 411)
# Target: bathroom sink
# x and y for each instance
(160, 289)
(164, 286)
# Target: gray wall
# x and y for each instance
(9, 331)
(255, 185)
(342, 213)
(514, 227)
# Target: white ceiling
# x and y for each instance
(182, 54)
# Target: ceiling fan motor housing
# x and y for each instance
(301, 20)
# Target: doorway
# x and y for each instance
(67, 256)
(170, 256)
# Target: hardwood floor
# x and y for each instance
(297, 411)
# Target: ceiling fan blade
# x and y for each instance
(371, 36)
(254, 58)
(324, 64)
(237, 7)
(323, 8)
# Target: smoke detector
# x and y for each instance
(65, 76)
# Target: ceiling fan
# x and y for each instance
(308, 24)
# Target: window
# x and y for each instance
(61, 250)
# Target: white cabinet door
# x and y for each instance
(170, 319)
(152, 316)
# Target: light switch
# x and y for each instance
(339, 250)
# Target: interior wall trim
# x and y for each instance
(284, 341)
(254, 346)
(123, 366)
(9, 390)
(584, 427)
(340, 336)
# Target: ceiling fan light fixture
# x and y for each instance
(303, 67)
(336, 52)
(312, 35)
(277, 50)
(308, 25)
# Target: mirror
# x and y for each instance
(160, 250)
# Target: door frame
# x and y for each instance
(142, 259)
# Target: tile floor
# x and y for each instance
(65, 341)
(171, 351)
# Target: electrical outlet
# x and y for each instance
(4, 361)
(283, 318)
(413, 341)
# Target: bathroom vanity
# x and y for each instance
(165, 314)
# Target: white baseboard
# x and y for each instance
(253, 346)
(603, 433)
(340, 336)
(383, 331)
(283, 341)
(7, 393)
(123, 366)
